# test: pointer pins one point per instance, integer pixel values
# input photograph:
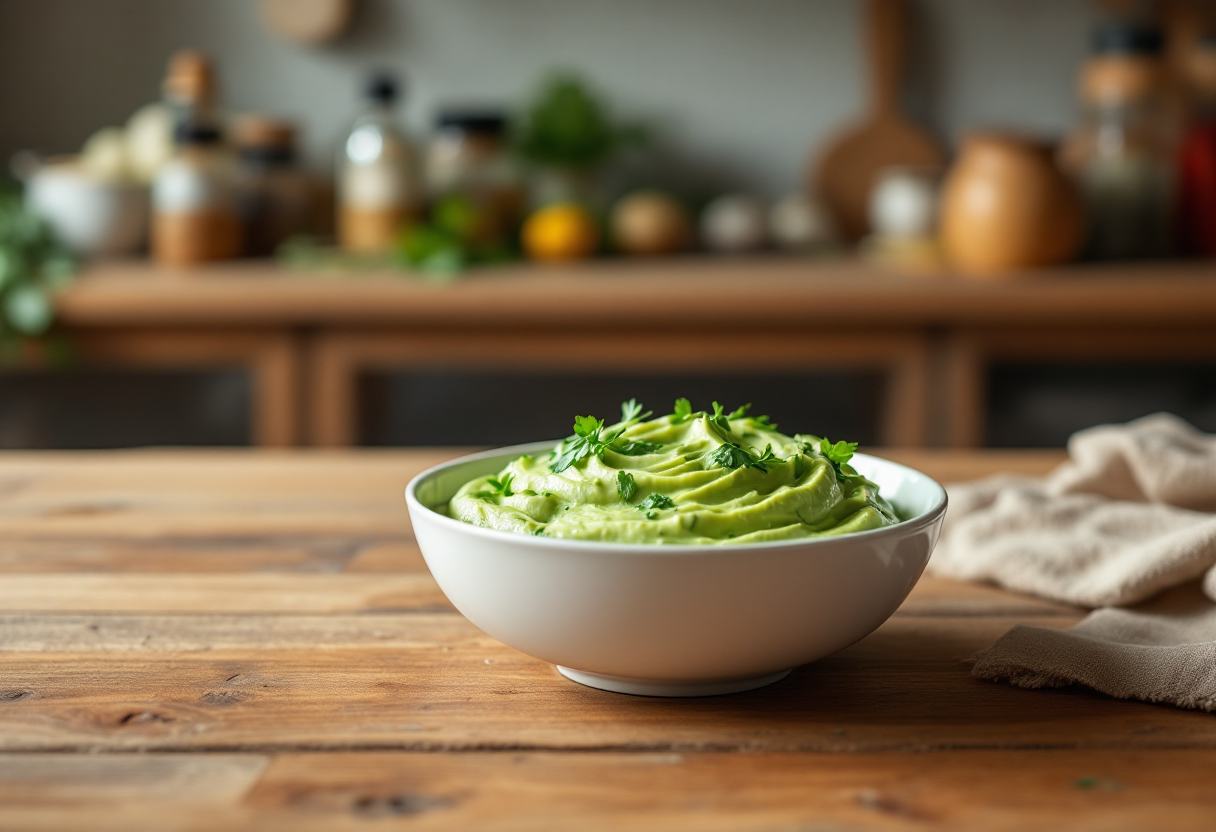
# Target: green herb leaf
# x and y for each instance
(720, 419)
(502, 486)
(740, 412)
(839, 455)
(631, 410)
(588, 440)
(625, 486)
(733, 456)
(587, 425)
(637, 447)
(656, 501)
(682, 411)
(729, 456)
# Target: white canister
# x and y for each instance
(904, 202)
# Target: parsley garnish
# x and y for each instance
(631, 410)
(683, 411)
(625, 486)
(656, 501)
(729, 455)
(588, 440)
(839, 455)
(740, 412)
(733, 456)
(637, 447)
(499, 487)
(720, 420)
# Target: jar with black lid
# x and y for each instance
(276, 196)
(469, 159)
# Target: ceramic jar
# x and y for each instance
(1006, 206)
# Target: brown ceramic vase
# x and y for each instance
(1007, 208)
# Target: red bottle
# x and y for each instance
(1197, 173)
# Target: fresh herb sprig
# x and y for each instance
(591, 439)
(838, 455)
(734, 456)
(682, 411)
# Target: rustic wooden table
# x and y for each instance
(250, 640)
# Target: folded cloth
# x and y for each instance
(1132, 513)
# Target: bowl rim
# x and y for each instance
(909, 526)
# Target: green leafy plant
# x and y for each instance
(32, 266)
(567, 125)
(453, 239)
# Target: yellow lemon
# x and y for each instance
(564, 231)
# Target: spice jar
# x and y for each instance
(468, 158)
(276, 196)
(1123, 154)
(379, 191)
(195, 214)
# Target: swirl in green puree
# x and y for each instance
(685, 478)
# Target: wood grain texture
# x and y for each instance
(608, 790)
(692, 292)
(201, 640)
(434, 682)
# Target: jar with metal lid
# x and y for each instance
(276, 196)
(468, 158)
(1123, 153)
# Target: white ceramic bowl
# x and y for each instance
(675, 620)
(90, 215)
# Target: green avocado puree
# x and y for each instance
(691, 478)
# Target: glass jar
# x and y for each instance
(1122, 156)
(195, 211)
(468, 159)
(276, 196)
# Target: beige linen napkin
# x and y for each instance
(1132, 513)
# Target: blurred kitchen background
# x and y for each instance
(302, 146)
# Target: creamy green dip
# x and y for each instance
(685, 478)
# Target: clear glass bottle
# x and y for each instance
(379, 189)
(1122, 156)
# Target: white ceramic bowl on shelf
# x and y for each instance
(675, 620)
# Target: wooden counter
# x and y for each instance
(307, 336)
(250, 640)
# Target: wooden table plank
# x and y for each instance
(438, 683)
(966, 790)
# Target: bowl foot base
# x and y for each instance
(638, 687)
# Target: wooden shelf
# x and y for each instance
(684, 291)
(306, 337)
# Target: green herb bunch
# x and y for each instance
(568, 126)
(32, 266)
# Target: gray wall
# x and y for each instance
(741, 89)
